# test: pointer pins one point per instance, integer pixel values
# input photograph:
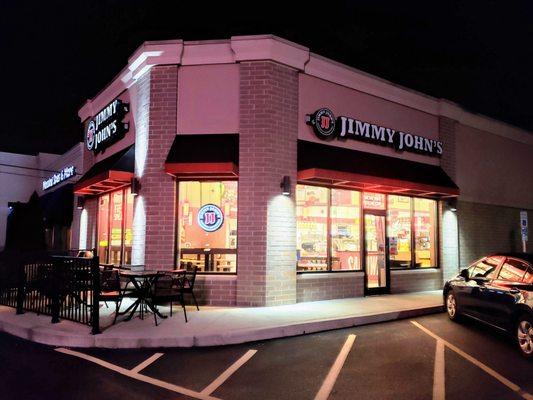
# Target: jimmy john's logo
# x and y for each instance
(106, 127)
(327, 127)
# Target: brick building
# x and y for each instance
(285, 177)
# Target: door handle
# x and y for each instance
(514, 291)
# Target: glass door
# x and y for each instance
(376, 265)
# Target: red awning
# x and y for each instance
(374, 183)
(352, 169)
(112, 173)
(202, 170)
(204, 156)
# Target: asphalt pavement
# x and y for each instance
(393, 360)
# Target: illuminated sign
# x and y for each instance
(374, 201)
(210, 218)
(56, 179)
(106, 127)
(327, 127)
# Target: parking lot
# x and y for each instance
(428, 357)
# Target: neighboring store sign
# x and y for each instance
(523, 226)
(210, 217)
(327, 127)
(106, 127)
(56, 179)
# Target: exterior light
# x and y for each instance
(135, 186)
(285, 185)
(80, 203)
(452, 204)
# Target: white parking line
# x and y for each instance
(227, 373)
(331, 378)
(137, 376)
(439, 388)
(478, 363)
(146, 362)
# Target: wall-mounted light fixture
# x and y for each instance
(80, 203)
(135, 186)
(285, 185)
(452, 204)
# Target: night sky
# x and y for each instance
(55, 55)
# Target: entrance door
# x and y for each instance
(376, 258)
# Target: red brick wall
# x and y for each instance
(314, 287)
(215, 290)
(266, 229)
(157, 188)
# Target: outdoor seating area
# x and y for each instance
(77, 288)
(147, 289)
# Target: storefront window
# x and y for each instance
(207, 226)
(399, 231)
(345, 229)
(115, 217)
(128, 223)
(329, 224)
(312, 203)
(103, 227)
(424, 232)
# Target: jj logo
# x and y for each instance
(323, 123)
(210, 217)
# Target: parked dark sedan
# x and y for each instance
(497, 290)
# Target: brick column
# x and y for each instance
(267, 152)
(156, 126)
(449, 235)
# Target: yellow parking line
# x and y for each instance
(478, 363)
(137, 376)
(331, 378)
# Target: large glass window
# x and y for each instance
(115, 218)
(312, 204)
(103, 227)
(345, 228)
(328, 228)
(207, 226)
(399, 231)
(424, 223)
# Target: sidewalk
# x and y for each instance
(213, 326)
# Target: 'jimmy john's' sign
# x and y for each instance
(327, 127)
(107, 126)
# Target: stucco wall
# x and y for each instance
(493, 169)
(208, 99)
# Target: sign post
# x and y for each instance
(523, 229)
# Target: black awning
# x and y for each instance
(57, 206)
(111, 173)
(204, 156)
(345, 167)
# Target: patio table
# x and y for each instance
(142, 281)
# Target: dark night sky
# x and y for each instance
(55, 55)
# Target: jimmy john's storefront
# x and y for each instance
(317, 192)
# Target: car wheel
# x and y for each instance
(451, 306)
(524, 335)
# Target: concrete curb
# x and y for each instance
(83, 339)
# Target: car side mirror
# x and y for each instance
(464, 273)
